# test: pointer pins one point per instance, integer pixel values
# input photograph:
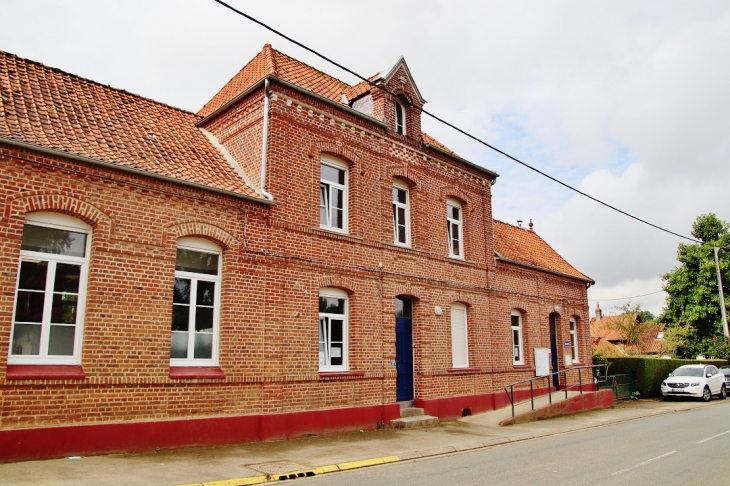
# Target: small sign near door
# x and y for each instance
(567, 344)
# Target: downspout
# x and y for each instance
(265, 142)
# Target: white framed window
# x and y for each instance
(574, 339)
(50, 292)
(516, 325)
(401, 215)
(333, 194)
(195, 303)
(454, 222)
(459, 336)
(400, 118)
(332, 330)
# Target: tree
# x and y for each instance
(646, 316)
(636, 334)
(692, 313)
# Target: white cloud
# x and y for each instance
(626, 100)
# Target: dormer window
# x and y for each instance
(400, 119)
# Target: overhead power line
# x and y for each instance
(625, 298)
(451, 125)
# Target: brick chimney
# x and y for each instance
(599, 314)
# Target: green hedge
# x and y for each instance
(650, 372)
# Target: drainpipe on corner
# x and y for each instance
(265, 142)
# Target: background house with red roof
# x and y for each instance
(608, 335)
(297, 257)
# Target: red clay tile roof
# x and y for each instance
(602, 332)
(525, 246)
(603, 346)
(48, 107)
(359, 89)
(272, 62)
(603, 329)
(432, 141)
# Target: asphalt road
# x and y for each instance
(684, 448)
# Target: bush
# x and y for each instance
(650, 372)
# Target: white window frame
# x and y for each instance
(459, 225)
(459, 337)
(66, 223)
(407, 210)
(574, 339)
(520, 344)
(203, 246)
(337, 294)
(400, 128)
(330, 185)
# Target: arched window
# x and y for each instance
(195, 303)
(574, 339)
(401, 214)
(332, 330)
(51, 289)
(459, 336)
(400, 118)
(516, 327)
(454, 223)
(333, 194)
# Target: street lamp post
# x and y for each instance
(722, 295)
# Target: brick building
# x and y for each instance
(295, 258)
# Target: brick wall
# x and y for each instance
(275, 260)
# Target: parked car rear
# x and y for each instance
(726, 372)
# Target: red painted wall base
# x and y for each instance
(84, 440)
(579, 403)
(454, 407)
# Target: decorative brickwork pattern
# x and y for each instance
(275, 260)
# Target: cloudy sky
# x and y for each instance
(628, 101)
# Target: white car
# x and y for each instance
(695, 380)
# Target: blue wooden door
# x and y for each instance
(554, 351)
(404, 358)
(554, 359)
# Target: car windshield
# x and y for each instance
(689, 372)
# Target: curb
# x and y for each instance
(344, 466)
(269, 478)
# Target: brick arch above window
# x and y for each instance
(406, 290)
(339, 150)
(404, 96)
(405, 174)
(338, 282)
(556, 309)
(452, 192)
(519, 306)
(202, 230)
(461, 298)
(58, 203)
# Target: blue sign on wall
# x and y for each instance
(567, 344)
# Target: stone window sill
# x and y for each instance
(465, 370)
(45, 372)
(333, 233)
(196, 372)
(341, 374)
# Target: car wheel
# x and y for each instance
(723, 392)
(706, 395)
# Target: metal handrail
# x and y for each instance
(511, 392)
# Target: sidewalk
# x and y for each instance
(317, 455)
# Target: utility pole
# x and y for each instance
(722, 295)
